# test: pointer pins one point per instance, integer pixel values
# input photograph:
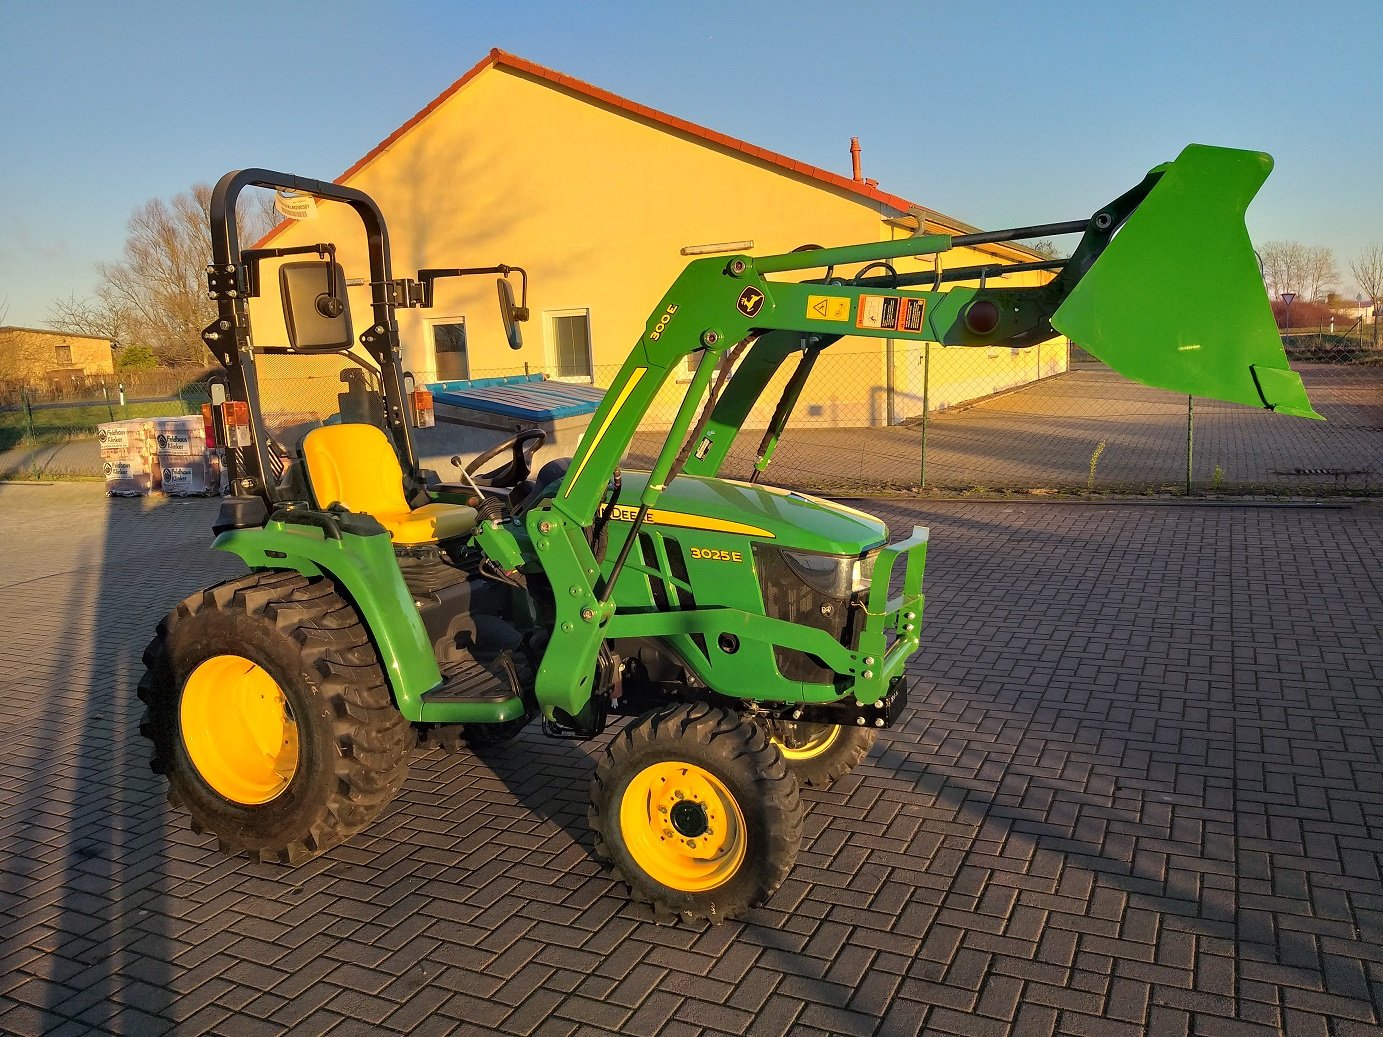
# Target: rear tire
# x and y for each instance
(695, 811)
(270, 716)
(820, 753)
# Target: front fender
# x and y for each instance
(365, 569)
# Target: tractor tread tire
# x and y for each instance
(740, 754)
(341, 692)
(838, 759)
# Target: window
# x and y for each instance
(569, 343)
(63, 355)
(449, 349)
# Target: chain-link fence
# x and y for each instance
(895, 417)
(1047, 419)
(70, 406)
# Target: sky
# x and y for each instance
(999, 114)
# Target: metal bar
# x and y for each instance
(989, 237)
(960, 273)
(1190, 411)
(871, 251)
(926, 405)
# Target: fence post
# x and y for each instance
(890, 415)
(109, 408)
(28, 410)
(926, 408)
(1190, 410)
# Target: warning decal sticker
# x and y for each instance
(827, 307)
(911, 317)
(890, 313)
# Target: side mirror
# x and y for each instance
(314, 306)
(510, 314)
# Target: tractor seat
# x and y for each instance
(355, 465)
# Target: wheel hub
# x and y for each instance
(689, 818)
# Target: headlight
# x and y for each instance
(826, 574)
(862, 574)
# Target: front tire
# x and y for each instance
(270, 716)
(820, 753)
(694, 809)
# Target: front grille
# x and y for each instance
(787, 596)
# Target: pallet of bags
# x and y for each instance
(185, 464)
(180, 476)
(125, 458)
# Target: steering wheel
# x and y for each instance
(515, 470)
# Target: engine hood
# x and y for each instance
(784, 517)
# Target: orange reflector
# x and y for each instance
(424, 414)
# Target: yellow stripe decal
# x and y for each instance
(625, 513)
(605, 426)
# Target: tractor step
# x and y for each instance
(465, 680)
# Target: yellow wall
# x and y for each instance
(28, 353)
(596, 204)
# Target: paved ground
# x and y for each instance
(1140, 790)
(1044, 436)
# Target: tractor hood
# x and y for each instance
(788, 518)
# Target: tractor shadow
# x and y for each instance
(100, 896)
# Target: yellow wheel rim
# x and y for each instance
(682, 826)
(239, 730)
(820, 737)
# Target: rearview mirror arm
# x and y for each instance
(426, 279)
(252, 256)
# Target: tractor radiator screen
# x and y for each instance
(788, 596)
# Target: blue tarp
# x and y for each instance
(531, 397)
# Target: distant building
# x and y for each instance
(596, 196)
(54, 359)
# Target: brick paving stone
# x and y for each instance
(1136, 790)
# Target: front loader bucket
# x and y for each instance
(1176, 299)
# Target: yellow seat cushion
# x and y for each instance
(428, 523)
(355, 465)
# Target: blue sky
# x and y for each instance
(998, 114)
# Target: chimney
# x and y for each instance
(855, 160)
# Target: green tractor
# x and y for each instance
(756, 638)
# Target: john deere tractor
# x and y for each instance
(756, 638)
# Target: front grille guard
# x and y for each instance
(899, 615)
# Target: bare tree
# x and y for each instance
(97, 316)
(1368, 272)
(1284, 266)
(156, 295)
(1319, 272)
(1047, 247)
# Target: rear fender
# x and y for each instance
(365, 569)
